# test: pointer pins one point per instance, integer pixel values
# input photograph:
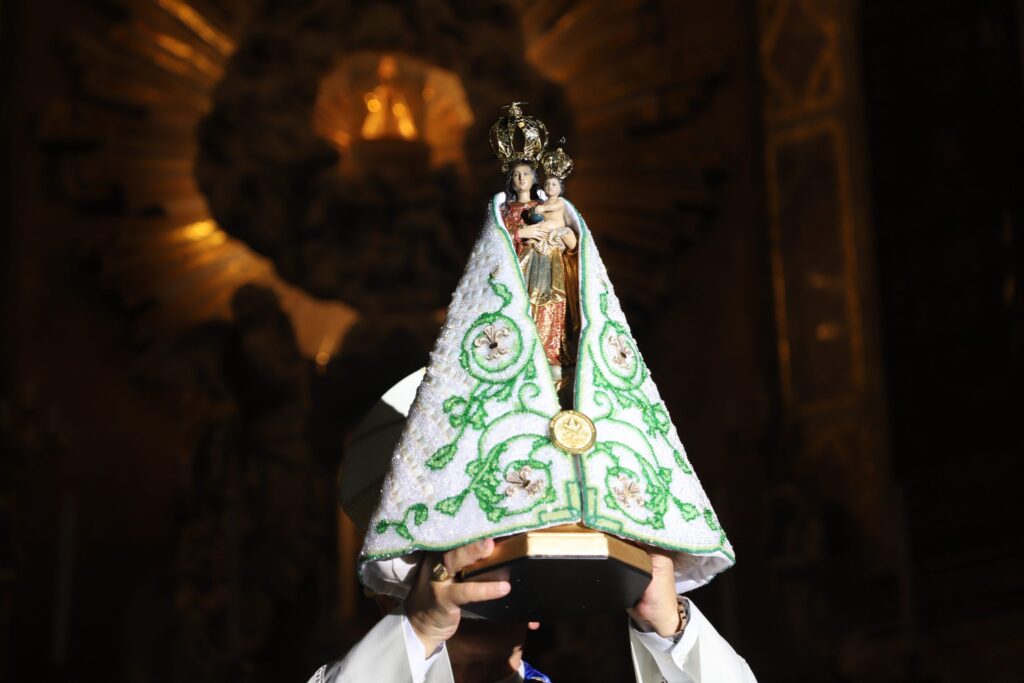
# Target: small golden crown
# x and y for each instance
(556, 164)
(517, 138)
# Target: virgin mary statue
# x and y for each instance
(536, 408)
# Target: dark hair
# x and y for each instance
(561, 182)
(510, 193)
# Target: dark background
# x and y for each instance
(211, 265)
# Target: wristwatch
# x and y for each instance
(683, 605)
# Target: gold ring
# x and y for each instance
(440, 573)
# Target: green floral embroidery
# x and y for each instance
(713, 524)
(419, 514)
(492, 348)
(503, 292)
(489, 482)
(610, 375)
(709, 517)
(619, 370)
(642, 494)
(496, 353)
(618, 373)
(654, 415)
(528, 483)
(681, 462)
(689, 511)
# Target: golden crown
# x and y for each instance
(556, 164)
(517, 138)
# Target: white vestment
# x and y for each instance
(386, 654)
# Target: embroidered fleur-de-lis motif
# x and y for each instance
(623, 355)
(523, 480)
(628, 491)
(495, 339)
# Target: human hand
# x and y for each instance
(658, 609)
(433, 608)
(533, 232)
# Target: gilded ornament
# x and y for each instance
(517, 138)
(572, 432)
(556, 163)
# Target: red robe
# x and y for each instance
(552, 282)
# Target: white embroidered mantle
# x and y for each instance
(474, 460)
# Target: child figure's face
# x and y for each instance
(553, 187)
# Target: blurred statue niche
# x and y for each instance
(388, 112)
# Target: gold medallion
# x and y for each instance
(572, 432)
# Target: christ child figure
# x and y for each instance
(554, 231)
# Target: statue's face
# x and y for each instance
(522, 178)
(553, 187)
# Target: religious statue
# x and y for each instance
(537, 415)
(547, 256)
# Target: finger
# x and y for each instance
(466, 555)
(662, 562)
(476, 591)
(427, 566)
(654, 550)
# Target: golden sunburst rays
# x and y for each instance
(371, 95)
(635, 77)
(127, 137)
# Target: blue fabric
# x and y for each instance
(534, 675)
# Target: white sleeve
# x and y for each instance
(414, 650)
(700, 656)
(391, 652)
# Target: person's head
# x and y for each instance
(486, 643)
(521, 177)
(553, 186)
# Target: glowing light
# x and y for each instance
(175, 47)
(407, 128)
(184, 13)
(199, 230)
(409, 100)
(187, 53)
(388, 67)
(389, 114)
(373, 124)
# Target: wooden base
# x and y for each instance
(561, 573)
